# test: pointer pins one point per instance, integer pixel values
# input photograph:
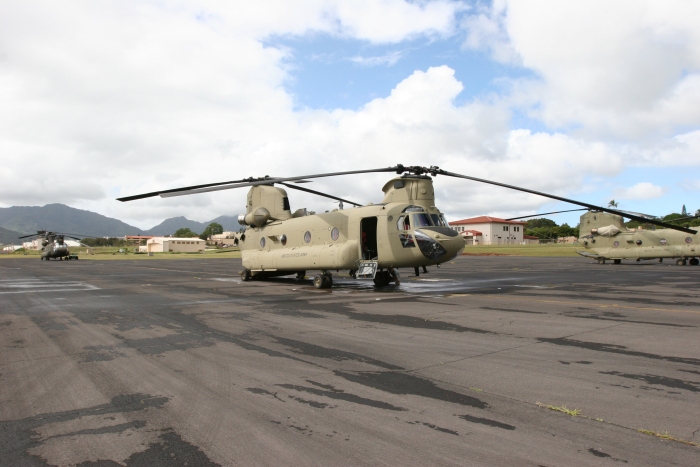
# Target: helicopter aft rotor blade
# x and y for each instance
(567, 200)
(545, 213)
(319, 193)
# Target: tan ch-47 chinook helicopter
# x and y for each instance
(605, 237)
(405, 230)
(53, 245)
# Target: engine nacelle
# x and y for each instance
(257, 218)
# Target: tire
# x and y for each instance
(694, 261)
(617, 261)
(328, 280)
(381, 279)
(601, 261)
(301, 275)
(319, 281)
(245, 275)
(680, 262)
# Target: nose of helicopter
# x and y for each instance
(439, 243)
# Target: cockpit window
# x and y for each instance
(403, 223)
(422, 220)
(413, 208)
(439, 220)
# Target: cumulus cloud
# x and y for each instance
(620, 70)
(641, 191)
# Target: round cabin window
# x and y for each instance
(262, 242)
(307, 237)
(638, 242)
(616, 244)
(335, 233)
(283, 240)
(688, 239)
(662, 241)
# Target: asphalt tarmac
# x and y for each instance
(148, 363)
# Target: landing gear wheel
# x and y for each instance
(382, 279)
(617, 261)
(353, 273)
(395, 276)
(329, 279)
(694, 261)
(601, 261)
(680, 262)
(245, 275)
(301, 275)
(321, 281)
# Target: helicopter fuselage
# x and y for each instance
(623, 243)
(406, 230)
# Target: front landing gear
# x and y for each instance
(680, 262)
(694, 261)
(384, 278)
(245, 275)
(323, 280)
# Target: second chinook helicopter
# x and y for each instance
(53, 245)
(606, 238)
(405, 230)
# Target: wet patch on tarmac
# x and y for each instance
(101, 353)
(434, 427)
(487, 422)
(314, 404)
(21, 436)
(160, 345)
(50, 323)
(170, 450)
(511, 310)
(339, 394)
(602, 454)
(617, 317)
(313, 350)
(264, 392)
(121, 428)
(673, 383)
(404, 384)
(617, 349)
(407, 321)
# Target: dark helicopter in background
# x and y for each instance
(53, 245)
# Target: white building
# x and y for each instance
(486, 230)
(170, 244)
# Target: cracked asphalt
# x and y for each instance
(149, 363)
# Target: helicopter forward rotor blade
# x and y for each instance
(319, 193)
(193, 187)
(27, 236)
(545, 213)
(272, 181)
(572, 201)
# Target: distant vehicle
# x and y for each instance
(54, 245)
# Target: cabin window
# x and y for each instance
(662, 241)
(283, 239)
(616, 243)
(403, 223)
(262, 242)
(422, 220)
(335, 233)
(688, 239)
(407, 240)
(285, 204)
(307, 237)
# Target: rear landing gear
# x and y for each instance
(617, 261)
(601, 260)
(680, 262)
(245, 275)
(323, 280)
(694, 261)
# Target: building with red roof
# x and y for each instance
(488, 230)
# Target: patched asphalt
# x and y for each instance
(149, 363)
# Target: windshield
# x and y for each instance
(439, 220)
(422, 220)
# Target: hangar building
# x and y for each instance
(487, 230)
(170, 244)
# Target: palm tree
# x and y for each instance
(612, 203)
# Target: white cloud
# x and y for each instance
(388, 59)
(626, 69)
(641, 191)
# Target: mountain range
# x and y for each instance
(22, 220)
